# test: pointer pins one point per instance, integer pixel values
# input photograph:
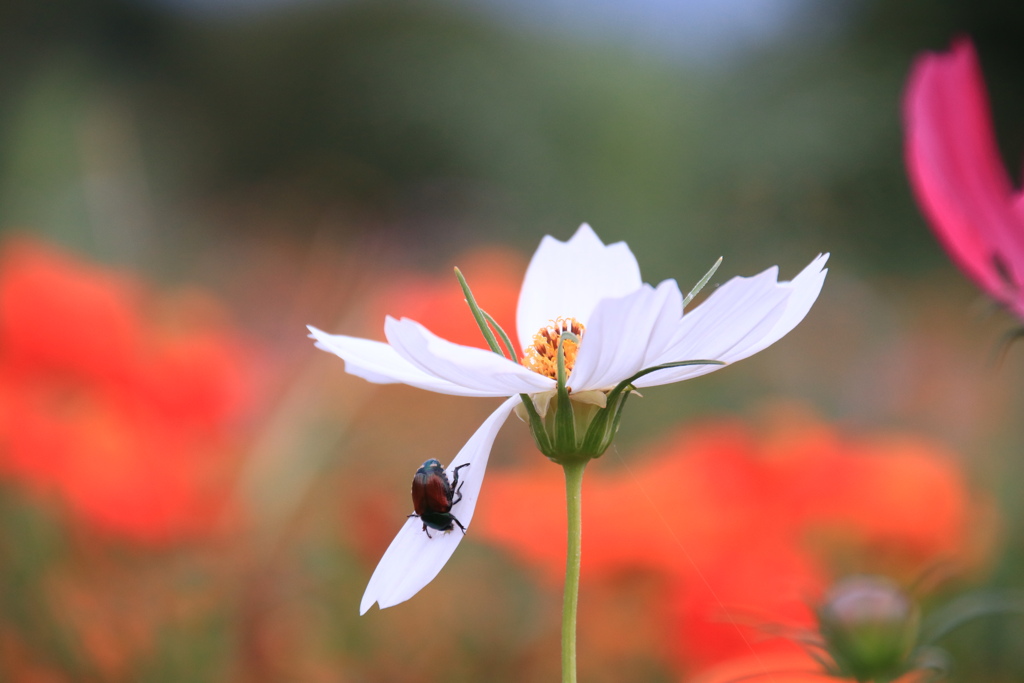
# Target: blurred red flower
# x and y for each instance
(958, 176)
(747, 527)
(119, 404)
(494, 274)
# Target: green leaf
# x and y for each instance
(504, 337)
(565, 424)
(479, 315)
(703, 281)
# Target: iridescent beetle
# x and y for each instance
(433, 497)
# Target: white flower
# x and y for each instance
(624, 326)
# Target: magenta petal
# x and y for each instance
(956, 172)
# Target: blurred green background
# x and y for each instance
(743, 125)
(291, 157)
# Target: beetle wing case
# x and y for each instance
(430, 493)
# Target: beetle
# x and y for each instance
(433, 496)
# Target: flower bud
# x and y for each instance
(870, 627)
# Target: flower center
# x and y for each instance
(542, 355)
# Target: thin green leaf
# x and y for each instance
(703, 281)
(504, 337)
(621, 386)
(565, 425)
(478, 315)
(968, 608)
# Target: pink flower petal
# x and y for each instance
(956, 172)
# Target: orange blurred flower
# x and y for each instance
(437, 302)
(747, 527)
(119, 404)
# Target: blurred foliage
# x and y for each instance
(445, 125)
(310, 163)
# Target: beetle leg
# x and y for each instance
(454, 519)
(456, 486)
(424, 524)
(455, 474)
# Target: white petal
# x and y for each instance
(742, 317)
(379, 363)
(806, 287)
(740, 308)
(567, 279)
(476, 369)
(666, 323)
(624, 333)
(413, 560)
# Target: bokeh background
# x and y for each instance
(190, 491)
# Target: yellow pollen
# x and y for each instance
(542, 355)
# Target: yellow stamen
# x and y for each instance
(542, 355)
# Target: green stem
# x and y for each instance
(573, 498)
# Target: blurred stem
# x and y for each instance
(573, 500)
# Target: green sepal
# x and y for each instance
(703, 281)
(481, 317)
(537, 428)
(565, 422)
(603, 428)
(504, 337)
(560, 444)
(628, 383)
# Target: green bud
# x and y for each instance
(870, 628)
